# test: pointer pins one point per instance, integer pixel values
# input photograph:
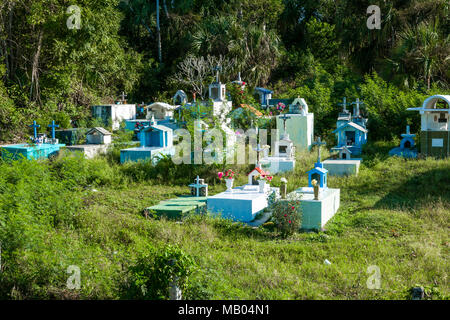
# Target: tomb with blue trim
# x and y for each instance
(40, 148)
(407, 146)
(156, 140)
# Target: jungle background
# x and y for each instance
(320, 50)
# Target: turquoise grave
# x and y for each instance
(42, 147)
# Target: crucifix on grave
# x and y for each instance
(53, 126)
(35, 127)
(284, 118)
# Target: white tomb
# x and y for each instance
(115, 113)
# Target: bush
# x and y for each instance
(287, 216)
(154, 271)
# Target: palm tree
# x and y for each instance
(424, 51)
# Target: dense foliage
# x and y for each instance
(319, 50)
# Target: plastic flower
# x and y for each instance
(314, 182)
(283, 180)
(220, 175)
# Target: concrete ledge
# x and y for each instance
(278, 164)
(316, 213)
(342, 167)
(239, 205)
(89, 150)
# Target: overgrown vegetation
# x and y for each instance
(87, 213)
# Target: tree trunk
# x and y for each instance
(158, 32)
(35, 71)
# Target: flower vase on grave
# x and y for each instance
(229, 183)
(316, 192)
(315, 185)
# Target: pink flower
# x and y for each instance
(293, 208)
(220, 175)
(285, 215)
(290, 221)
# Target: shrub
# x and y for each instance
(287, 215)
(151, 275)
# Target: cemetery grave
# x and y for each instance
(98, 140)
(41, 147)
(407, 146)
(351, 134)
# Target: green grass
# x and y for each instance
(394, 214)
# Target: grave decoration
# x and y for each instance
(318, 206)
(221, 107)
(407, 146)
(297, 124)
(351, 131)
(229, 179)
(41, 146)
(318, 173)
(156, 140)
(284, 158)
(199, 188)
(98, 140)
(351, 134)
(435, 128)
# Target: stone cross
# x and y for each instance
(53, 126)
(197, 186)
(284, 118)
(35, 126)
(344, 104)
(123, 96)
(319, 143)
(258, 149)
(357, 103)
(217, 69)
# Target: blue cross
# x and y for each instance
(319, 143)
(35, 126)
(344, 104)
(53, 126)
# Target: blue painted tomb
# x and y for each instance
(407, 146)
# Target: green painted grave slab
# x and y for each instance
(175, 208)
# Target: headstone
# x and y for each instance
(156, 140)
(199, 188)
(298, 126)
(407, 146)
(351, 132)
